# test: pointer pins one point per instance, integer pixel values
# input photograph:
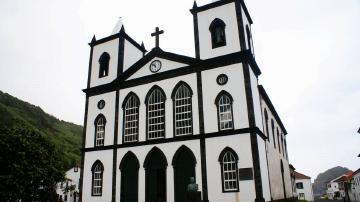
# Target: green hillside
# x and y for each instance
(67, 136)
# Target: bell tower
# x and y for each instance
(220, 28)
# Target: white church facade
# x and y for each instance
(153, 120)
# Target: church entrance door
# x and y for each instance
(184, 167)
(129, 167)
(155, 176)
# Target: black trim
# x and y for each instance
(92, 177)
(90, 67)
(116, 127)
(268, 102)
(240, 23)
(217, 99)
(253, 131)
(196, 32)
(95, 122)
(120, 83)
(220, 159)
(180, 83)
(83, 147)
(253, 136)
(128, 96)
(121, 51)
(282, 177)
(220, 3)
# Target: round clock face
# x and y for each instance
(155, 66)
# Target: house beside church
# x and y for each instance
(304, 188)
(68, 190)
(153, 119)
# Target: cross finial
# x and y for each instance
(156, 34)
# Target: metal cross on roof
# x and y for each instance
(156, 34)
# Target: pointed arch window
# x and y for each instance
(225, 113)
(97, 178)
(131, 118)
(217, 30)
(100, 123)
(248, 35)
(278, 138)
(182, 99)
(155, 111)
(267, 124)
(229, 170)
(273, 132)
(104, 64)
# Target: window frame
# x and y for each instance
(147, 98)
(104, 59)
(217, 100)
(217, 23)
(127, 98)
(173, 97)
(236, 171)
(97, 163)
(96, 129)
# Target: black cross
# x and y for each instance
(156, 34)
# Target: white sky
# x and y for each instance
(308, 52)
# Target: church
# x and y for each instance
(154, 119)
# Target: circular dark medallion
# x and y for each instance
(101, 104)
(222, 79)
(155, 66)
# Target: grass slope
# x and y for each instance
(67, 136)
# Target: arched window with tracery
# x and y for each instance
(229, 170)
(100, 123)
(217, 30)
(104, 64)
(225, 113)
(182, 101)
(131, 118)
(97, 170)
(155, 111)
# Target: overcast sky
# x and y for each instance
(307, 50)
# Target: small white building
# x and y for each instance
(303, 187)
(354, 192)
(68, 190)
(336, 187)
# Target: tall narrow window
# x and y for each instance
(182, 109)
(155, 106)
(267, 124)
(100, 123)
(104, 64)
(278, 138)
(217, 30)
(286, 151)
(131, 118)
(224, 108)
(282, 144)
(97, 178)
(273, 132)
(229, 170)
(248, 35)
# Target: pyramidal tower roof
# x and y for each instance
(118, 26)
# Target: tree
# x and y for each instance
(30, 166)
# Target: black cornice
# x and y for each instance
(266, 98)
(215, 4)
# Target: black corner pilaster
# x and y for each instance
(196, 34)
(82, 150)
(116, 126)
(90, 66)
(240, 23)
(121, 54)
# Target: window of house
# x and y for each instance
(104, 64)
(155, 113)
(131, 118)
(299, 185)
(100, 122)
(301, 196)
(97, 178)
(229, 170)
(224, 104)
(182, 110)
(217, 30)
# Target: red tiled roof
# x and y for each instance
(301, 176)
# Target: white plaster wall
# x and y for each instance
(256, 100)
(131, 55)
(168, 86)
(108, 111)
(166, 66)
(169, 149)
(227, 14)
(307, 189)
(241, 145)
(264, 168)
(106, 157)
(110, 47)
(234, 86)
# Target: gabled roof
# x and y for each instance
(155, 52)
(356, 172)
(301, 176)
(344, 177)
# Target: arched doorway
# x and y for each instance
(184, 167)
(155, 176)
(129, 167)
